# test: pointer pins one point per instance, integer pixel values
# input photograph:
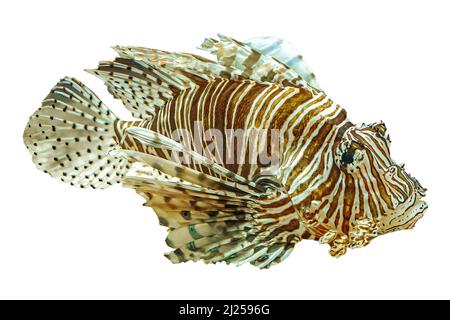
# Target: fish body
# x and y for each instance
(241, 158)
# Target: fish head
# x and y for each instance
(383, 191)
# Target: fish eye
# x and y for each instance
(347, 157)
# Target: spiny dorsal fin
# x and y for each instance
(252, 64)
(181, 62)
(284, 52)
(145, 79)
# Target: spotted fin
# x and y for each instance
(252, 64)
(284, 52)
(70, 136)
(143, 88)
(211, 218)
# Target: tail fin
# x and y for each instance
(70, 135)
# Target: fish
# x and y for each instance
(240, 154)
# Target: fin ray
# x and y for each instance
(252, 64)
(284, 52)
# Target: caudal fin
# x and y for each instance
(70, 137)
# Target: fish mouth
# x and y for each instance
(416, 212)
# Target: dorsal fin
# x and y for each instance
(145, 79)
(284, 52)
(143, 88)
(182, 62)
(252, 64)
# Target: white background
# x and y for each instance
(383, 60)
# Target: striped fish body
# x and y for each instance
(298, 115)
(240, 158)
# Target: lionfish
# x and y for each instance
(323, 178)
